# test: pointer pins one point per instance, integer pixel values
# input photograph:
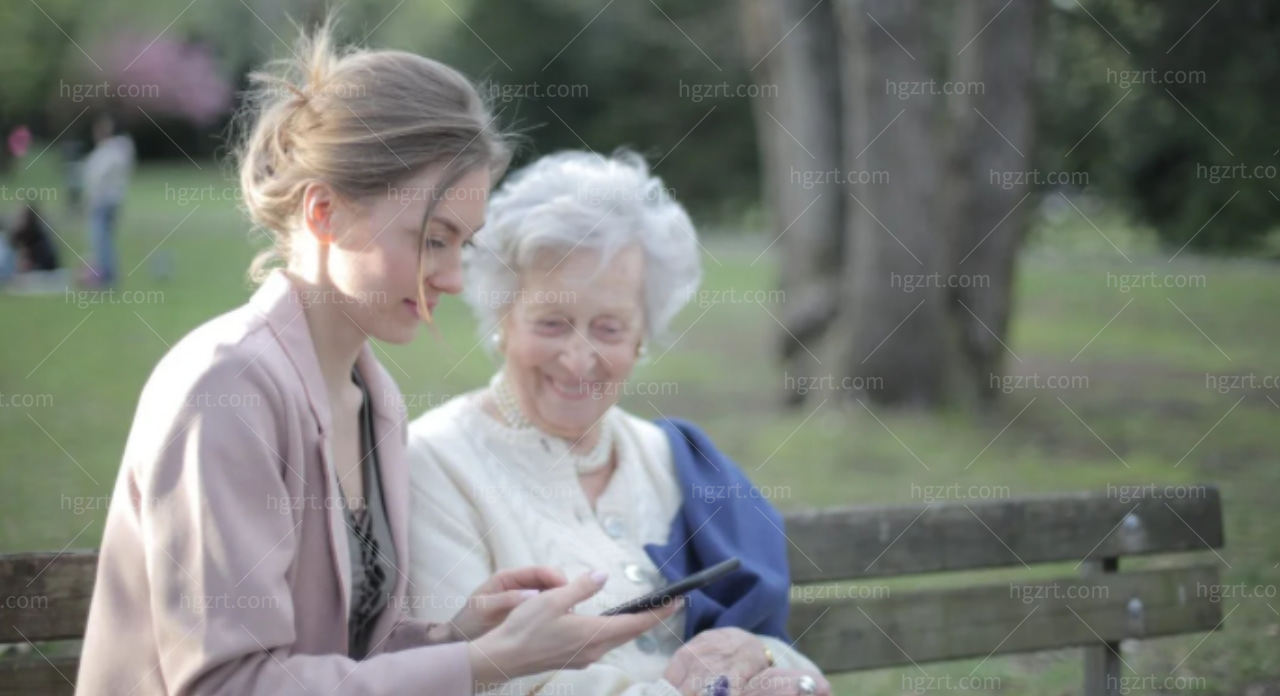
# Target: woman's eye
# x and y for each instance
(468, 244)
(436, 243)
(609, 325)
(550, 324)
(609, 332)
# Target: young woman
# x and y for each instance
(257, 539)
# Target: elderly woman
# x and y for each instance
(582, 264)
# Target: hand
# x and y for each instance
(492, 601)
(543, 633)
(733, 652)
(777, 681)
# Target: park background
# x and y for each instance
(1136, 344)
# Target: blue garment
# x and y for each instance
(722, 516)
(102, 222)
(8, 264)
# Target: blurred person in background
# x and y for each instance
(105, 177)
(8, 261)
(31, 242)
(29, 261)
(71, 152)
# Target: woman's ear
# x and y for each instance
(318, 203)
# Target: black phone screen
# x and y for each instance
(663, 595)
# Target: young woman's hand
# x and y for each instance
(492, 601)
(542, 633)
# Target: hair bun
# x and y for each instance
(358, 120)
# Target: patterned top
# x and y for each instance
(368, 533)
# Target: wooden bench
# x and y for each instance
(45, 596)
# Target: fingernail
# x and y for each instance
(599, 576)
(526, 594)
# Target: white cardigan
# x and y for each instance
(487, 497)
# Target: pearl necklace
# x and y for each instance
(509, 408)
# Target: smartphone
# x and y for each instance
(662, 596)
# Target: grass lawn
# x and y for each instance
(1153, 385)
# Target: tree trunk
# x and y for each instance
(900, 346)
(933, 101)
(791, 49)
(990, 168)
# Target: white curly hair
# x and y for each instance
(575, 200)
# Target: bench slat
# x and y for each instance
(955, 623)
(34, 675)
(45, 596)
(922, 626)
(878, 541)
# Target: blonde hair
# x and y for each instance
(360, 121)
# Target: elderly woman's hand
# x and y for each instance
(777, 681)
(731, 652)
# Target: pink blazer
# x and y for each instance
(224, 566)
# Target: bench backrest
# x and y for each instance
(870, 625)
(843, 627)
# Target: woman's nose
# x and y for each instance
(578, 356)
(448, 278)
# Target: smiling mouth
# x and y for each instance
(573, 393)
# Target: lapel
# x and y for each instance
(278, 303)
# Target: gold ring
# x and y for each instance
(768, 654)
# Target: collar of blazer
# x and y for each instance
(279, 303)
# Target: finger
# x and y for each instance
(740, 673)
(530, 577)
(774, 680)
(500, 604)
(770, 682)
(751, 662)
(777, 680)
(563, 599)
(624, 627)
(677, 672)
(668, 609)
